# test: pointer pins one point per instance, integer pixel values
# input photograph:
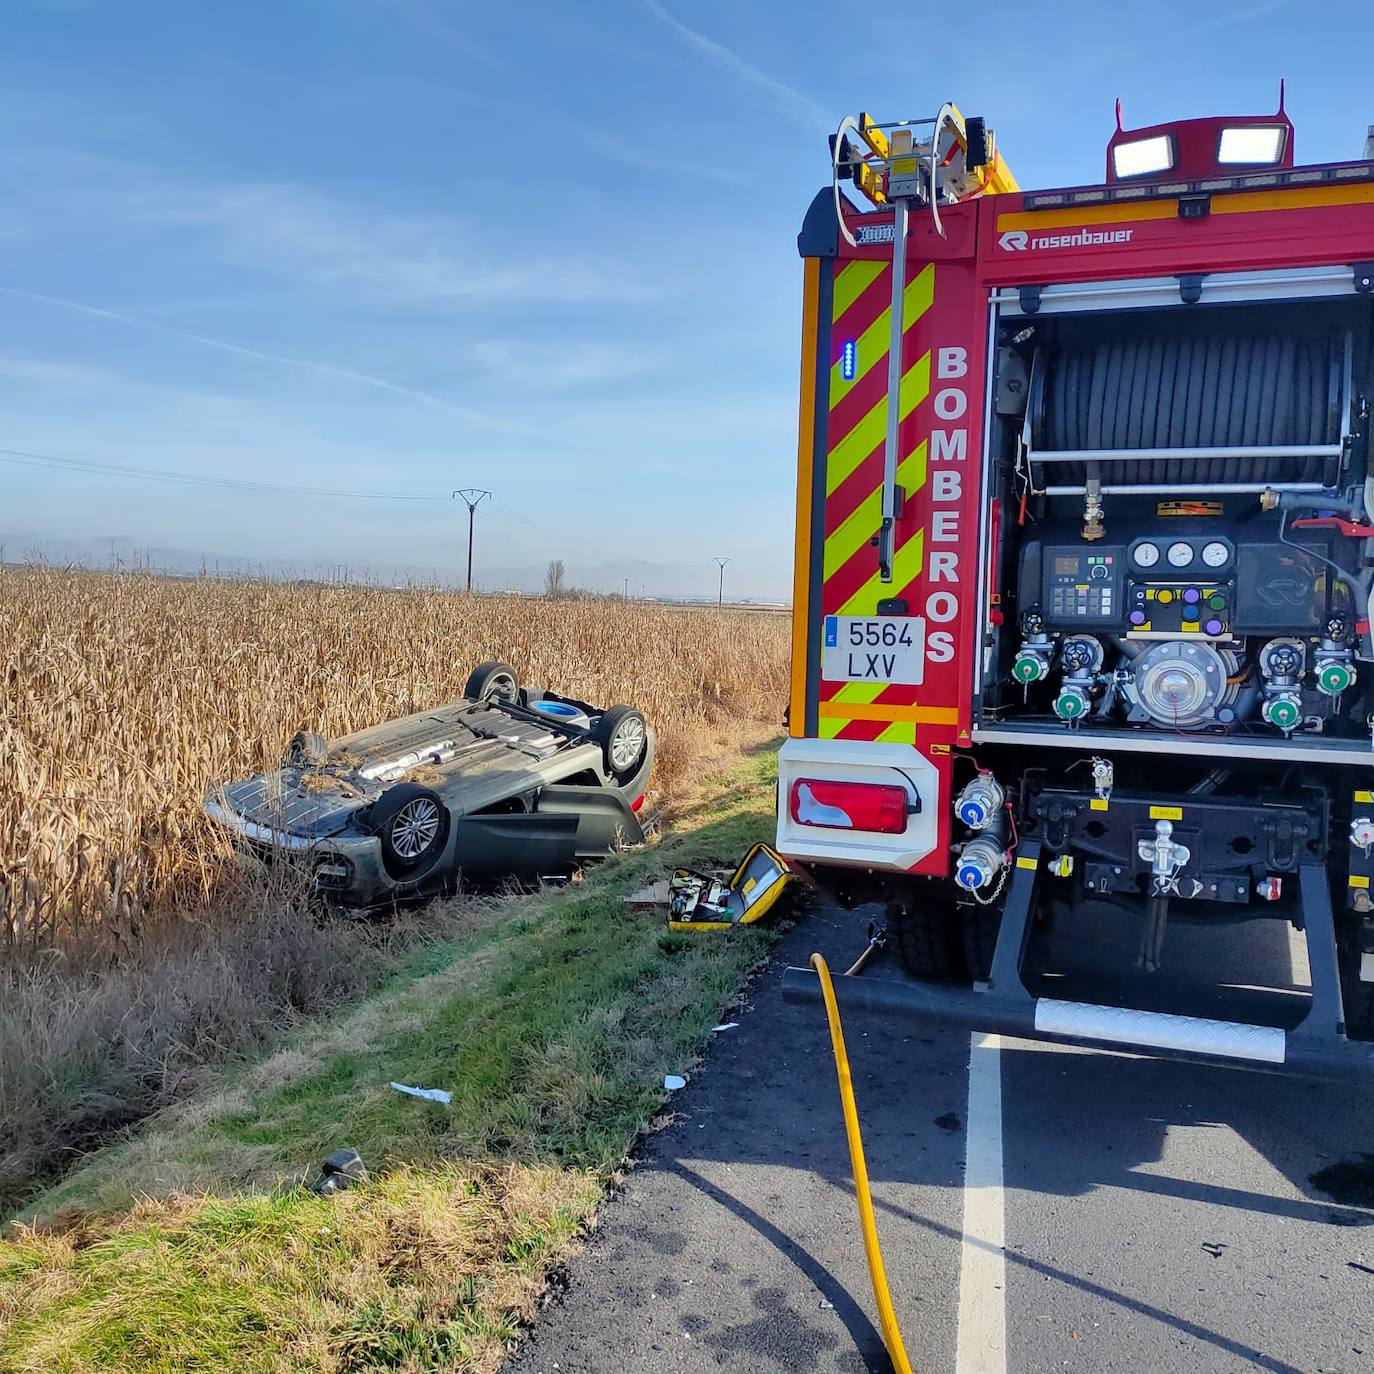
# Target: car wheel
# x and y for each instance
(493, 682)
(307, 748)
(412, 823)
(624, 739)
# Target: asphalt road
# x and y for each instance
(1155, 1216)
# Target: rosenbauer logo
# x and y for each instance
(1017, 240)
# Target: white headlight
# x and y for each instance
(1256, 144)
(1144, 156)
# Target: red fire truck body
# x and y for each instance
(1083, 551)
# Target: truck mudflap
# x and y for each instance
(1316, 1047)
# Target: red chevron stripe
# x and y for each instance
(862, 729)
(862, 397)
(848, 578)
(854, 490)
(867, 306)
(871, 387)
(859, 567)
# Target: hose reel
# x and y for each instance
(1174, 414)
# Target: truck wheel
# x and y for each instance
(1359, 1011)
(493, 681)
(925, 935)
(1358, 1000)
(412, 823)
(979, 926)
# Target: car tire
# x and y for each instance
(307, 748)
(927, 940)
(623, 736)
(412, 823)
(488, 681)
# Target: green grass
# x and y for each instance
(192, 1246)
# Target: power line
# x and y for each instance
(26, 458)
(472, 497)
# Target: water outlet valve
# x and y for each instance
(1072, 703)
(981, 800)
(980, 861)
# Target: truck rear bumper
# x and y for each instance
(1153, 1034)
(1317, 1047)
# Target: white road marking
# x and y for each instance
(982, 1340)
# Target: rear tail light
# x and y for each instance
(638, 802)
(849, 805)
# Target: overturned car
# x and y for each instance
(508, 781)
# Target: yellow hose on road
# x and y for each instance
(887, 1318)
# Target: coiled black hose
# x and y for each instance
(1180, 392)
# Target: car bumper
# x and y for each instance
(345, 867)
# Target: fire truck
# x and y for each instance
(1084, 564)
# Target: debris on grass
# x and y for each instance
(342, 1169)
(555, 1020)
(429, 1094)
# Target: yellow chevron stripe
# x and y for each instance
(872, 429)
(899, 732)
(850, 284)
(858, 691)
(872, 344)
(906, 565)
(851, 695)
(859, 527)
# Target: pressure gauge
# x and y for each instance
(1146, 555)
(1180, 554)
(1215, 553)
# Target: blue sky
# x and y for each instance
(547, 248)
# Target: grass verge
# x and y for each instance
(552, 1021)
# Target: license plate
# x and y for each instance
(874, 648)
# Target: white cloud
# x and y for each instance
(528, 366)
(283, 230)
(791, 102)
(325, 369)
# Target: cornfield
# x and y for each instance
(127, 696)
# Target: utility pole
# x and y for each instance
(721, 601)
(472, 498)
(627, 589)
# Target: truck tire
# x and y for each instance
(925, 935)
(1359, 1010)
(979, 926)
(1356, 997)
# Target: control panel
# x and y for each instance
(1082, 586)
(1157, 586)
(1174, 608)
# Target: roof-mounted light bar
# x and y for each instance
(1144, 157)
(1244, 181)
(1251, 145)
